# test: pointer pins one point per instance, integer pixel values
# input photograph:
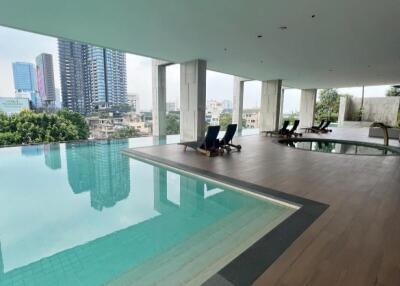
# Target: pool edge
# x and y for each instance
(256, 259)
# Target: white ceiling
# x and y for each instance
(347, 43)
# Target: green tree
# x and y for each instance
(224, 120)
(291, 117)
(78, 120)
(29, 127)
(328, 105)
(173, 123)
(393, 91)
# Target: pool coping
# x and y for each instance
(256, 259)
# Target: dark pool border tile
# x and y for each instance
(254, 261)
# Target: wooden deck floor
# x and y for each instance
(356, 241)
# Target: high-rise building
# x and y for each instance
(71, 58)
(25, 83)
(45, 79)
(24, 76)
(92, 78)
(133, 101)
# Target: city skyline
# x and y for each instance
(24, 46)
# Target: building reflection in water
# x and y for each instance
(99, 168)
(32, 150)
(52, 157)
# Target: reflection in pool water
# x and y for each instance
(340, 147)
(84, 214)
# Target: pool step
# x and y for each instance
(187, 265)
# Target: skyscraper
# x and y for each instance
(45, 79)
(92, 78)
(25, 83)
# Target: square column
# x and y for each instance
(159, 97)
(237, 112)
(193, 100)
(270, 108)
(307, 107)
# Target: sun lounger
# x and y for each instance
(313, 128)
(281, 131)
(209, 145)
(292, 132)
(226, 141)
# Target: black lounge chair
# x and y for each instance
(281, 131)
(292, 131)
(312, 128)
(209, 145)
(324, 129)
(226, 141)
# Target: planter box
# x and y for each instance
(394, 133)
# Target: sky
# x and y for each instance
(16, 45)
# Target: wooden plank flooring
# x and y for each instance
(356, 241)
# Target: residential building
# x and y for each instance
(252, 117)
(45, 79)
(72, 75)
(171, 106)
(137, 121)
(92, 78)
(214, 109)
(25, 83)
(133, 102)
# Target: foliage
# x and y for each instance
(125, 132)
(291, 117)
(328, 105)
(393, 91)
(29, 127)
(224, 120)
(173, 123)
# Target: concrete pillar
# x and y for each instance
(237, 112)
(193, 100)
(281, 108)
(307, 107)
(270, 105)
(159, 97)
(344, 108)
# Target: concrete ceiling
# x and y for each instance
(346, 43)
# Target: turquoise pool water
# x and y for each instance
(84, 214)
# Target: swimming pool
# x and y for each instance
(84, 214)
(334, 146)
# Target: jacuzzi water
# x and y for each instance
(340, 147)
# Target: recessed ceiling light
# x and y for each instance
(283, 27)
(259, 36)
